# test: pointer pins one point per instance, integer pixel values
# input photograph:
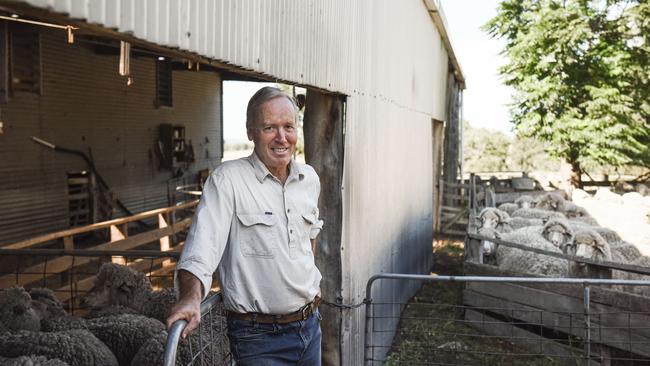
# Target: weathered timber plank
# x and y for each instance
(100, 225)
(533, 343)
(623, 336)
(623, 301)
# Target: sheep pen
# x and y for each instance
(588, 250)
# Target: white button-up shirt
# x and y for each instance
(257, 232)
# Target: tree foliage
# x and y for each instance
(580, 73)
(492, 151)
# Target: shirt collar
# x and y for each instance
(261, 171)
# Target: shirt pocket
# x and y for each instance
(257, 235)
(307, 221)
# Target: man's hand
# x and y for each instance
(189, 311)
(188, 306)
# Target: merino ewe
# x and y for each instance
(118, 285)
(493, 218)
(489, 247)
(508, 207)
(521, 261)
(21, 335)
(642, 261)
(606, 195)
(17, 311)
(558, 232)
(520, 222)
(31, 361)
(76, 347)
(525, 201)
(624, 252)
(550, 202)
(588, 243)
(124, 334)
(535, 213)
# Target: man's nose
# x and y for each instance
(281, 135)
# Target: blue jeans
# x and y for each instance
(256, 344)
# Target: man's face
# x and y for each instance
(275, 134)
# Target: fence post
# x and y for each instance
(587, 346)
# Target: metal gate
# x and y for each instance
(573, 326)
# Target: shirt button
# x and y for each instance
(288, 210)
(290, 231)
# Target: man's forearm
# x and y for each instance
(189, 287)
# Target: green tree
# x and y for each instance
(484, 150)
(580, 73)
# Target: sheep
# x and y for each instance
(521, 261)
(118, 285)
(588, 243)
(76, 347)
(508, 207)
(642, 261)
(550, 202)
(519, 222)
(624, 252)
(494, 218)
(31, 361)
(489, 247)
(558, 232)
(525, 201)
(535, 213)
(578, 213)
(17, 312)
(124, 334)
(21, 336)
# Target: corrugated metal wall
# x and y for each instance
(85, 105)
(389, 59)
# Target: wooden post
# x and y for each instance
(164, 241)
(118, 234)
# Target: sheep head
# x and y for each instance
(489, 247)
(116, 284)
(550, 202)
(558, 233)
(571, 210)
(16, 310)
(492, 218)
(46, 304)
(589, 244)
(525, 201)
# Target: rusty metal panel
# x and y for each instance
(86, 106)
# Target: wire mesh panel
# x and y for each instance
(206, 346)
(70, 273)
(496, 321)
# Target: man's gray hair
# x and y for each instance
(260, 97)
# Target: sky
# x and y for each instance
(484, 101)
(486, 98)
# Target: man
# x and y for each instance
(257, 223)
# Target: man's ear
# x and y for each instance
(249, 133)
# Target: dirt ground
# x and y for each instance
(432, 330)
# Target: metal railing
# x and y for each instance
(507, 321)
(207, 345)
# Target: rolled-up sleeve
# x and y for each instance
(208, 235)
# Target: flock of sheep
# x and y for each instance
(553, 224)
(124, 326)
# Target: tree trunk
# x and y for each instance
(576, 175)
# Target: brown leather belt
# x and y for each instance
(301, 314)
